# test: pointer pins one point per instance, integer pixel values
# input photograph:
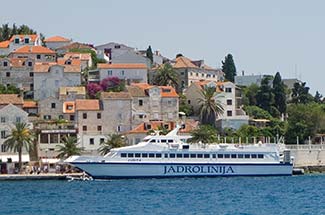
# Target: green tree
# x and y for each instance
(184, 106)
(250, 94)
(5, 32)
(69, 147)
(24, 29)
(204, 134)
(166, 76)
(279, 94)
(300, 94)
(257, 112)
(304, 120)
(318, 97)
(209, 108)
(19, 138)
(149, 54)
(265, 96)
(113, 141)
(229, 68)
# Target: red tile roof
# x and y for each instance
(4, 44)
(32, 37)
(183, 62)
(30, 104)
(44, 67)
(56, 39)
(14, 99)
(76, 55)
(33, 50)
(122, 66)
(87, 104)
(165, 91)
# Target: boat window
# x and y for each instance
(144, 155)
(220, 155)
(214, 156)
(163, 141)
(261, 156)
(137, 155)
(240, 155)
(152, 141)
(172, 155)
(170, 141)
(179, 155)
(247, 156)
(254, 155)
(186, 155)
(166, 155)
(158, 155)
(186, 146)
(227, 155)
(193, 155)
(123, 155)
(233, 156)
(199, 155)
(206, 155)
(151, 155)
(130, 155)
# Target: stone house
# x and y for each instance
(84, 58)
(9, 116)
(18, 41)
(190, 71)
(49, 77)
(37, 53)
(112, 50)
(153, 103)
(228, 95)
(131, 57)
(56, 42)
(72, 93)
(89, 121)
(131, 73)
(17, 72)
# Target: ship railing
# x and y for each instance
(306, 147)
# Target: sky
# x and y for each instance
(264, 37)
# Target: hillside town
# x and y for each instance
(65, 90)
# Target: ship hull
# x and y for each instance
(114, 170)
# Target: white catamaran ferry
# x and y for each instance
(170, 156)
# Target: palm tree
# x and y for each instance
(113, 141)
(209, 109)
(69, 147)
(20, 137)
(166, 76)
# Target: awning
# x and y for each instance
(14, 158)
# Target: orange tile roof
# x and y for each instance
(168, 91)
(17, 62)
(87, 104)
(62, 61)
(76, 90)
(14, 99)
(202, 83)
(32, 37)
(183, 62)
(76, 45)
(76, 55)
(165, 91)
(4, 44)
(33, 50)
(45, 67)
(30, 104)
(68, 105)
(121, 66)
(56, 39)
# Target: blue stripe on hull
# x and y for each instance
(185, 176)
(225, 164)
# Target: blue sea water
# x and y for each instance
(225, 195)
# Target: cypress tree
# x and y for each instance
(229, 68)
(149, 54)
(279, 94)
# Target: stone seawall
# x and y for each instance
(308, 155)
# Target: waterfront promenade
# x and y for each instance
(41, 176)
